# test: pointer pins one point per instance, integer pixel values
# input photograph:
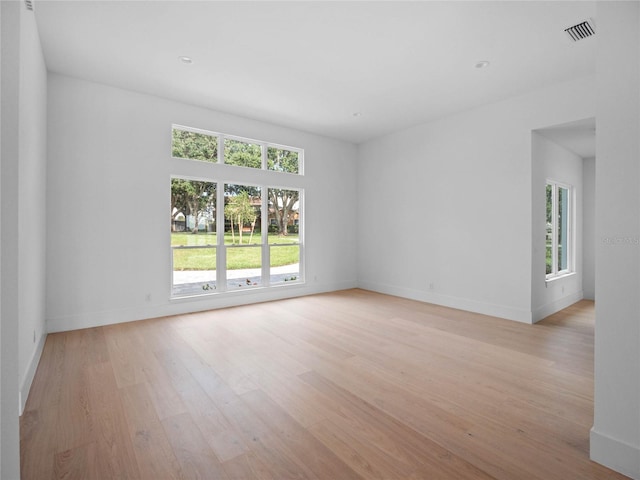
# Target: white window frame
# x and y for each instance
(570, 234)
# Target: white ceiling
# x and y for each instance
(312, 65)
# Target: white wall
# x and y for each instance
(448, 204)
(9, 373)
(615, 437)
(589, 228)
(553, 162)
(32, 219)
(2, 376)
(108, 198)
(23, 247)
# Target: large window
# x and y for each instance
(559, 240)
(234, 236)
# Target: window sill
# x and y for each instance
(235, 292)
(559, 277)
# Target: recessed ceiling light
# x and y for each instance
(482, 64)
(186, 60)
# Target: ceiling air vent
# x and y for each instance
(29, 4)
(581, 30)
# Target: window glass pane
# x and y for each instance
(549, 253)
(242, 154)
(244, 267)
(282, 160)
(195, 146)
(242, 207)
(193, 206)
(285, 263)
(563, 228)
(194, 270)
(284, 214)
(193, 236)
(242, 227)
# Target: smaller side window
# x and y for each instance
(559, 234)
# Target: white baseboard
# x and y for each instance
(615, 454)
(27, 379)
(550, 308)
(501, 311)
(188, 305)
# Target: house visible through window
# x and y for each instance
(559, 241)
(234, 236)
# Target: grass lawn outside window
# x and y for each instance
(194, 259)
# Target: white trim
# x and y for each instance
(221, 252)
(615, 454)
(263, 154)
(27, 381)
(182, 305)
(264, 231)
(501, 311)
(544, 311)
(559, 276)
(193, 130)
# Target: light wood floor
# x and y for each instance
(337, 386)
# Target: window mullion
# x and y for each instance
(264, 227)
(264, 156)
(221, 252)
(570, 231)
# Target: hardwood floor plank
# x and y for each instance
(265, 346)
(399, 440)
(37, 448)
(367, 461)
(196, 458)
(265, 444)
(112, 446)
(76, 464)
(307, 449)
(247, 466)
(152, 449)
(218, 433)
(218, 356)
(290, 393)
(127, 361)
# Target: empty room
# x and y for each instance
(403, 239)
